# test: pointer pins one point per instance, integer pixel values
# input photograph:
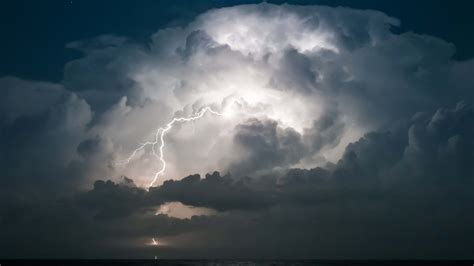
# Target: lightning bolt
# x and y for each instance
(160, 138)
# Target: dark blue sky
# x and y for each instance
(35, 32)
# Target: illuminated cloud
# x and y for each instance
(293, 65)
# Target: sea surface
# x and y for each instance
(228, 262)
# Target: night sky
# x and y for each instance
(236, 129)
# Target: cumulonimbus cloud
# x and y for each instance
(289, 64)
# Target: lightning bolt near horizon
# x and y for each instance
(159, 138)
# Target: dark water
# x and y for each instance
(225, 262)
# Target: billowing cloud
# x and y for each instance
(338, 138)
(266, 146)
(41, 126)
(326, 74)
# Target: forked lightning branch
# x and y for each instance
(159, 139)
